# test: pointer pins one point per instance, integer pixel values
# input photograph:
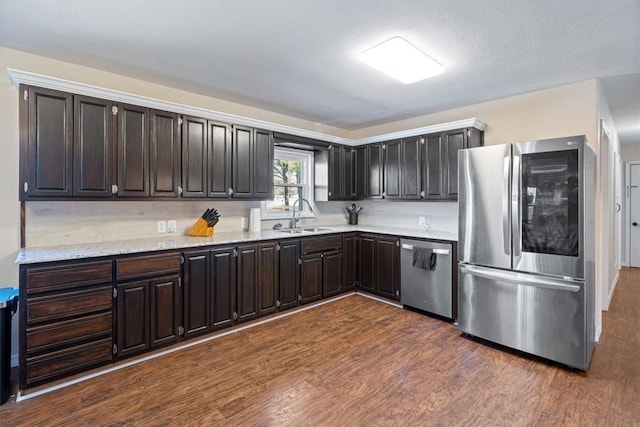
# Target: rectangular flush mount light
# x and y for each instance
(399, 59)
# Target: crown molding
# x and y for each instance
(19, 77)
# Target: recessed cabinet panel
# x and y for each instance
(133, 151)
(49, 164)
(361, 173)
(165, 154)
(223, 287)
(376, 173)
(194, 157)
(133, 318)
(196, 292)
(219, 173)
(242, 162)
(454, 141)
(247, 283)
(267, 277)
(347, 173)
(289, 284)
(311, 278)
(367, 262)
(263, 165)
(165, 310)
(387, 267)
(332, 273)
(411, 162)
(432, 174)
(392, 170)
(93, 147)
(351, 262)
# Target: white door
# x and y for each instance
(634, 215)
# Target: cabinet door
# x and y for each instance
(166, 313)
(311, 278)
(133, 318)
(267, 277)
(452, 143)
(387, 269)
(376, 174)
(263, 165)
(347, 173)
(93, 147)
(196, 293)
(331, 273)
(220, 149)
(336, 176)
(361, 172)
(133, 151)
(164, 146)
(367, 266)
(351, 259)
(247, 283)
(194, 157)
(242, 162)
(289, 287)
(50, 143)
(392, 170)
(223, 287)
(432, 171)
(410, 167)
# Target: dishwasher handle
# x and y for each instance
(435, 251)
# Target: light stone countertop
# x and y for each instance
(122, 247)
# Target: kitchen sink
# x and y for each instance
(305, 230)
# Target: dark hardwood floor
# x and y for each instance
(360, 362)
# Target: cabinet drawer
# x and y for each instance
(148, 265)
(69, 332)
(69, 304)
(67, 361)
(320, 244)
(45, 279)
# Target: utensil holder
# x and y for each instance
(353, 218)
(201, 229)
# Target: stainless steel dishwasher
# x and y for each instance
(429, 287)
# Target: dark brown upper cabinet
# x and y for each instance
(347, 172)
(133, 151)
(440, 151)
(375, 161)
(410, 165)
(48, 169)
(242, 162)
(93, 147)
(392, 169)
(219, 164)
(263, 164)
(360, 173)
(340, 172)
(164, 146)
(194, 157)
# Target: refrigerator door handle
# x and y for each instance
(516, 217)
(506, 234)
(522, 279)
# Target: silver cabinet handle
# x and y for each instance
(435, 251)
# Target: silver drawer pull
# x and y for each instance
(441, 251)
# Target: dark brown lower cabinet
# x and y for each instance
(380, 265)
(267, 278)
(311, 278)
(223, 287)
(247, 283)
(289, 272)
(331, 273)
(196, 292)
(350, 261)
(149, 314)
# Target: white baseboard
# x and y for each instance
(613, 288)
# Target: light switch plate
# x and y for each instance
(162, 226)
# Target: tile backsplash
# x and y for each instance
(71, 222)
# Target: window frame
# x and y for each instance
(306, 159)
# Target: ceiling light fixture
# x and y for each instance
(401, 60)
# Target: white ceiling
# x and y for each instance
(301, 57)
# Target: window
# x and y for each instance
(292, 181)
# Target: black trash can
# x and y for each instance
(8, 306)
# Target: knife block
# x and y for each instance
(201, 229)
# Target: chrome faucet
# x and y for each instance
(293, 220)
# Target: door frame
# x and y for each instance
(627, 218)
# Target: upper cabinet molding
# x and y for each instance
(19, 77)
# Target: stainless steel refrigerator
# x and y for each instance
(526, 247)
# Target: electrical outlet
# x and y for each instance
(162, 226)
(244, 222)
(171, 226)
(422, 221)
